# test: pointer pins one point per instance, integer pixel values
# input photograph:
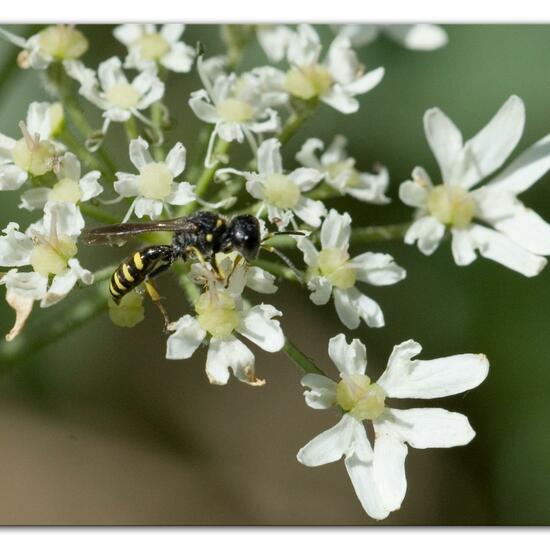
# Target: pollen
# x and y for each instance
(281, 191)
(235, 110)
(52, 258)
(335, 266)
(35, 157)
(155, 181)
(451, 205)
(123, 95)
(216, 313)
(308, 81)
(358, 397)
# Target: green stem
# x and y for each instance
(64, 323)
(296, 119)
(302, 360)
(156, 117)
(68, 138)
(379, 233)
(99, 214)
(131, 129)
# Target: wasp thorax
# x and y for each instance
(281, 191)
(335, 266)
(307, 82)
(358, 397)
(155, 181)
(216, 313)
(65, 190)
(63, 42)
(35, 157)
(123, 95)
(152, 46)
(235, 110)
(344, 172)
(451, 205)
(52, 257)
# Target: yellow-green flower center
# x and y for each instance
(337, 169)
(216, 313)
(35, 158)
(334, 265)
(63, 42)
(451, 205)
(281, 191)
(152, 46)
(155, 181)
(123, 95)
(65, 190)
(235, 110)
(52, 258)
(358, 397)
(129, 312)
(309, 81)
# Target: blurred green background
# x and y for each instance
(100, 428)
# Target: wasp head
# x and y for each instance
(243, 236)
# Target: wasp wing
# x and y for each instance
(119, 233)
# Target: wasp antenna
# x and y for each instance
(287, 262)
(276, 233)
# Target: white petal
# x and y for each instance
(175, 160)
(129, 33)
(445, 141)
(348, 358)
(525, 170)
(30, 284)
(172, 31)
(371, 187)
(463, 247)
(260, 280)
(341, 100)
(258, 325)
(186, 338)
(308, 249)
(35, 198)
(310, 211)
(408, 378)
(424, 428)
(527, 229)
(269, 157)
(306, 156)
(378, 269)
(184, 193)
(202, 108)
(69, 167)
(501, 249)
(321, 393)
(180, 58)
(90, 186)
(110, 73)
(230, 131)
(336, 230)
(22, 305)
(423, 36)
(359, 35)
(351, 306)
(61, 285)
(148, 207)
(330, 445)
(413, 193)
(38, 119)
(155, 93)
(139, 153)
(12, 177)
(321, 290)
(126, 184)
(67, 217)
(366, 82)
(306, 178)
(428, 232)
(304, 46)
(492, 145)
(230, 353)
(274, 40)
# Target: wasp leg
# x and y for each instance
(153, 292)
(220, 275)
(239, 259)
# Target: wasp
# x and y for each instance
(199, 236)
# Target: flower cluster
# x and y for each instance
(233, 212)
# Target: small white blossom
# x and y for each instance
(280, 193)
(71, 186)
(154, 187)
(35, 153)
(49, 247)
(423, 36)
(378, 472)
(148, 45)
(54, 43)
(219, 315)
(111, 91)
(274, 40)
(238, 106)
(509, 233)
(331, 272)
(340, 173)
(335, 81)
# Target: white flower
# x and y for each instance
(54, 43)
(340, 173)
(113, 94)
(280, 193)
(148, 45)
(519, 237)
(219, 314)
(154, 187)
(331, 272)
(237, 106)
(35, 153)
(274, 40)
(423, 36)
(378, 474)
(70, 186)
(336, 81)
(49, 247)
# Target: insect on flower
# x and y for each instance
(199, 236)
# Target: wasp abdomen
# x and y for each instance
(135, 269)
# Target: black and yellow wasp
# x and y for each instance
(199, 236)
